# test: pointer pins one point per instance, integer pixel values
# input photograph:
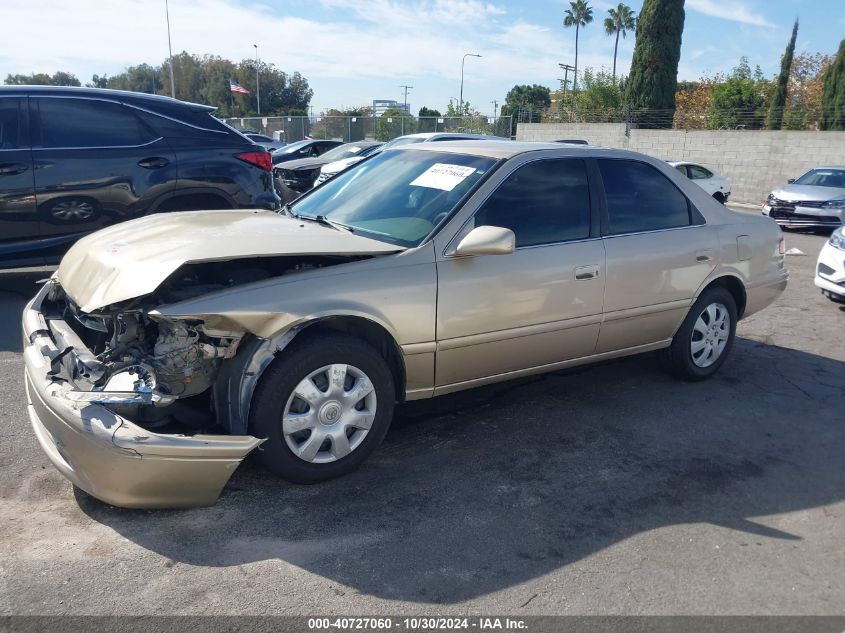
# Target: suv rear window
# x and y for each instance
(88, 123)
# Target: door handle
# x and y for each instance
(156, 162)
(704, 256)
(586, 272)
(12, 169)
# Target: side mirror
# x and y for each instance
(487, 240)
(790, 181)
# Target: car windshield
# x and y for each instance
(396, 196)
(342, 151)
(823, 178)
(403, 140)
(287, 149)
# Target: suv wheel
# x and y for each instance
(324, 405)
(706, 336)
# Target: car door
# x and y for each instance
(96, 163)
(659, 250)
(19, 232)
(541, 304)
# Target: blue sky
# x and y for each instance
(354, 51)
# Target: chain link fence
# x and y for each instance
(704, 118)
(289, 129)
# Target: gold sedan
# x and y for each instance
(167, 348)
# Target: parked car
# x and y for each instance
(264, 141)
(309, 148)
(830, 267)
(430, 137)
(297, 176)
(714, 184)
(815, 200)
(334, 168)
(162, 353)
(74, 160)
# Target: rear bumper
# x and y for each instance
(108, 456)
(765, 292)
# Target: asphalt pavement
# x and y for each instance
(614, 489)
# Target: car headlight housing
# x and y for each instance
(771, 199)
(837, 240)
(834, 204)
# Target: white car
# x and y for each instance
(333, 169)
(716, 185)
(830, 269)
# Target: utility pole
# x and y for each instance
(170, 50)
(257, 94)
(405, 106)
(565, 68)
(495, 107)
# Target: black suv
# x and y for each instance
(73, 160)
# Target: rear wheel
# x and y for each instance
(706, 336)
(324, 405)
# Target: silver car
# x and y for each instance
(816, 199)
(166, 349)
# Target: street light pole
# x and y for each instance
(463, 59)
(257, 93)
(170, 50)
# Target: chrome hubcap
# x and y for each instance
(73, 210)
(710, 335)
(329, 413)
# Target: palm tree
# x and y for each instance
(578, 14)
(621, 20)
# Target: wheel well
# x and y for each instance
(372, 333)
(735, 287)
(194, 202)
(719, 196)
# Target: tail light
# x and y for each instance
(262, 160)
(782, 246)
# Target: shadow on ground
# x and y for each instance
(16, 289)
(477, 492)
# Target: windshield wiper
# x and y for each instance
(321, 219)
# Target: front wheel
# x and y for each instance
(706, 336)
(324, 405)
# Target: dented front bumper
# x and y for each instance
(108, 456)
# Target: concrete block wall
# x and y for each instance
(755, 161)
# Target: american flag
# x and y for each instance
(234, 86)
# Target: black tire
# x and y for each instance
(300, 359)
(679, 356)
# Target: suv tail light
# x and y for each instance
(259, 159)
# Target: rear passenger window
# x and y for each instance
(543, 202)
(88, 123)
(9, 123)
(640, 198)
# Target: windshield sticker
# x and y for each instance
(443, 176)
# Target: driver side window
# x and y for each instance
(543, 202)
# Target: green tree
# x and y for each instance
(619, 20)
(579, 14)
(58, 78)
(525, 103)
(600, 97)
(833, 93)
(389, 124)
(427, 121)
(779, 98)
(654, 69)
(740, 100)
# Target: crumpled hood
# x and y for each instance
(133, 258)
(799, 193)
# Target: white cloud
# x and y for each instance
(729, 11)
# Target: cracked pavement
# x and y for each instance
(606, 490)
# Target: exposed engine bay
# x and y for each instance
(156, 371)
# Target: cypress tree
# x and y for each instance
(779, 98)
(654, 69)
(833, 93)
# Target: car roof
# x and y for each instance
(507, 149)
(828, 167)
(138, 98)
